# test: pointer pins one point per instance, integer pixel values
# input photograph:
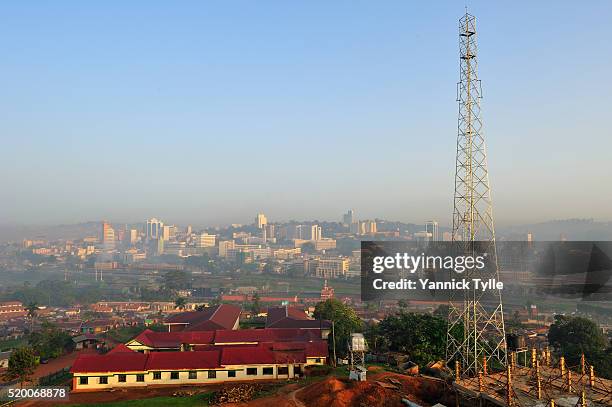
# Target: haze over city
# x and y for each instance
(208, 113)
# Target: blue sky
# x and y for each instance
(208, 112)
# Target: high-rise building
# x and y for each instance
(261, 220)
(349, 217)
(108, 236)
(154, 229)
(133, 236)
(367, 227)
(168, 232)
(205, 240)
(431, 226)
(307, 232)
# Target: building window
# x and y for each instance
(140, 378)
(251, 371)
(318, 360)
(231, 373)
(212, 374)
(103, 380)
(83, 380)
(174, 375)
(156, 375)
(193, 374)
(122, 378)
(283, 370)
(268, 371)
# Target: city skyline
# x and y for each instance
(291, 114)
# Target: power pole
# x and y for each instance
(478, 313)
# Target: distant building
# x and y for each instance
(11, 309)
(108, 236)
(324, 244)
(205, 240)
(349, 217)
(260, 220)
(133, 236)
(431, 226)
(154, 229)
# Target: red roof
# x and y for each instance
(183, 360)
(116, 362)
(121, 348)
(222, 316)
(292, 317)
(174, 339)
(265, 335)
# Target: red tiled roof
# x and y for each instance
(174, 339)
(183, 360)
(278, 313)
(117, 362)
(222, 316)
(121, 348)
(265, 335)
(292, 317)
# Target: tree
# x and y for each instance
(572, 336)
(344, 318)
(50, 341)
(21, 365)
(308, 248)
(32, 309)
(180, 303)
(176, 280)
(255, 304)
(422, 336)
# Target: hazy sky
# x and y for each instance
(209, 112)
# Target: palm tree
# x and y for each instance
(32, 309)
(180, 303)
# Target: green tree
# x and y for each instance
(255, 304)
(176, 280)
(421, 336)
(32, 309)
(344, 318)
(572, 336)
(180, 303)
(50, 341)
(21, 365)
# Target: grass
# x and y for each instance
(12, 343)
(197, 400)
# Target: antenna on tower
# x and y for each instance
(476, 335)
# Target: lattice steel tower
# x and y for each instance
(479, 313)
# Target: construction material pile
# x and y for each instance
(236, 394)
(387, 389)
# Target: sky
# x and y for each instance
(209, 112)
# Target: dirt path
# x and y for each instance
(294, 399)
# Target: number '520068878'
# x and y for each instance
(53, 393)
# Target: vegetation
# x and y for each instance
(55, 292)
(126, 333)
(572, 336)
(344, 318)
(197, 400)
(21, 365)
(180, 303)
(50, 342)
(421, 336)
